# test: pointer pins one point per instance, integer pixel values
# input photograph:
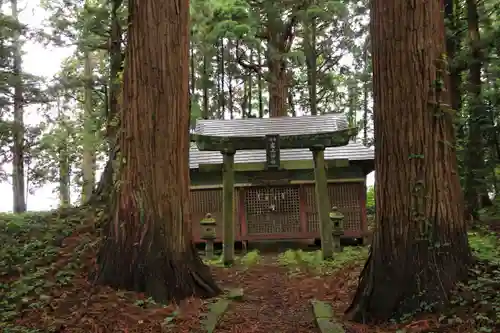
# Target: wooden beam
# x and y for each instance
(325, 139)
(228, 208)
(322, 201)
(285, 165)
(292, 182)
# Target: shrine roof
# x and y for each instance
(354, 151)
(279, 125)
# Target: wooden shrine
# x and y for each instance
(277, 161)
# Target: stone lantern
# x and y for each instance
(208, 233)
(337, 220)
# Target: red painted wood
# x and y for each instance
(241, 234)
(242, 214)
(286, 236)
(302, 209)
(362, 201)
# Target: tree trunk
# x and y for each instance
(205, 83)
(277, 83)
(148, 247)
(192, 68)
(420, 248)
(64, 177)
(64, 161)
(230, 102)
(474, 154)
(115, 66)
(249, 81)
(18, 185)
(105, 187)
(366, 89)
(311, 63)
(260, 82)
(291, 104)
(453, 41)
(352, 103)
(89, 132)
(222, 93)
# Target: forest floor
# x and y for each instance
(45, 259)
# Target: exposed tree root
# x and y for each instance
(419, 280)
(163, 273)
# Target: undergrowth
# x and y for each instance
(28, 255)
(485, 246)
(313, 261)
(247, 260)
(31, 266)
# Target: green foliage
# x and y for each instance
(298, 259)
(30, 244)
(485, 246)
(13, 35)
(370, 200)
(222, 83)
(251, 258)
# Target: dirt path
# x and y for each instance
(270, 304)
(277, 300)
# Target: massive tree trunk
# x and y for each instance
(148, 247)
(420, 249)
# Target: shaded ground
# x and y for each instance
(277, 301)
(44, 288)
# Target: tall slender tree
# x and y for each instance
(148, 247)
(475, 183)
(18, 130)
(420, 249)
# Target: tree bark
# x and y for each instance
(311, 63)
(148, 247)
(64, 160)
(115, 66)
(205, 83)
(278, 87)
(475, 182)
(89, 132)
(18, 174)
(453, 41)
(277, 78)
(420, 248)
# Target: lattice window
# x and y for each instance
(311, 209)
(345, 196)
(206, 201)
(211, 201)
(272, 209)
